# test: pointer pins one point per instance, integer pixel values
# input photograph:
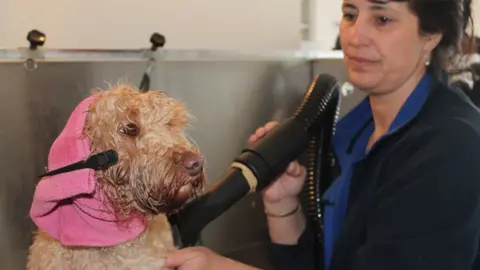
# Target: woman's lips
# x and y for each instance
(360, 63)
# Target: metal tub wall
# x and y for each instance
(35, 106)
(230, 99)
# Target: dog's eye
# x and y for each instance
(130, 129)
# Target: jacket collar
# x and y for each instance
(360, 117)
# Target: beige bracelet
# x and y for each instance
(295, 210)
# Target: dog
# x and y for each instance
(115, 217)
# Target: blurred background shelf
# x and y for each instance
(70, 55)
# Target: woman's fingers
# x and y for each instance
(179, 257)
(188, 258)
(260, 132)
(270, 125)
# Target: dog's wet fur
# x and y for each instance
(158, 170)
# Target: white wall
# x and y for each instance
(323, 18)
(187, 24)
(476, 16)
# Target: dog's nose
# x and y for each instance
(193, 163)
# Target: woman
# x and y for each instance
(408, 196)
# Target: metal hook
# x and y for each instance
(151, 64)
(157, 40)
(30, 64)
(347, 89)
(36, 39)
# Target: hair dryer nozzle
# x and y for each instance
(270, 156)
(256, 167)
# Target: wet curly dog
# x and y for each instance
(114, 218)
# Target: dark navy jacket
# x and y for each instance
(412, 202)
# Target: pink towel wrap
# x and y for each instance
(69, 206)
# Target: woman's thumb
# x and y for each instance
(294, 169)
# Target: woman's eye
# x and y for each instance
(130, 129)
(383, 20)
(349, 16)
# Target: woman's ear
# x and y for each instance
(431, 41)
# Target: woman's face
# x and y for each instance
(382, 44)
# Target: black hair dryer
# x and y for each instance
(256, 167)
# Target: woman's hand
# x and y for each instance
(280, 199)
(290, 183)
(201, 258)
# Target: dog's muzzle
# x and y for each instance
(192, 165)
(185, 193)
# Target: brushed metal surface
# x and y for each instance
(230, 99)
(34, 108)
(135, 55)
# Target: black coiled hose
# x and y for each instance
(320, 164)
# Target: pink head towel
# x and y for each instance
(69, 206)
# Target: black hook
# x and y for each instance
(157, 40)
(36, 38)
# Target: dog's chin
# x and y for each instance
(186, 192)
(178, 198)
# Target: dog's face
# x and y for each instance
(159, 169)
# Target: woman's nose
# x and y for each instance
(358, 33)
(193, 163)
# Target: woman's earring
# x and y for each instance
(427, 63)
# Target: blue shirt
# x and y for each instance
(413, 199)
(350, 141)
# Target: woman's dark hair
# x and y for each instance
(451, 18)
